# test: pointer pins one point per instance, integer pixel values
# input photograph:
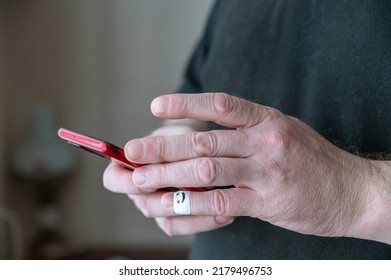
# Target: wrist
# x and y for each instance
(375, 221)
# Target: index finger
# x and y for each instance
(221, 108)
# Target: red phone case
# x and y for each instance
(103, 149)
(96, 146)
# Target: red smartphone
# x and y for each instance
(96, 146)
(103, 149)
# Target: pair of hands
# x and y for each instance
(283, 171)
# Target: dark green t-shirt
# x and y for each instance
(327, 63)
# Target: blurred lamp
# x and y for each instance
(41, 156)
(44, 160)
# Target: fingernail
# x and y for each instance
(159, 105)
(167, 200)
(139, 177)
(224, 219)
(134, 150)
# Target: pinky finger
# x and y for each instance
(187, 225)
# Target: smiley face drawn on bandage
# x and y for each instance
(182, 202)
(180, 197)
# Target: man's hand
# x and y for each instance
(118, 178)
(283, 172)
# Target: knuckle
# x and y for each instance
(223, 103)
(277, 169)
(220, 203)
(273, 113)
(207, 171)
(205, 143)
(162, 150)
(279, 138)
(157, 147)
(160, 175)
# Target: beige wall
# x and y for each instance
(99, 63)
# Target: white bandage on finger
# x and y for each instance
(182, 203)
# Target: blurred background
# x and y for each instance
(92, 66)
